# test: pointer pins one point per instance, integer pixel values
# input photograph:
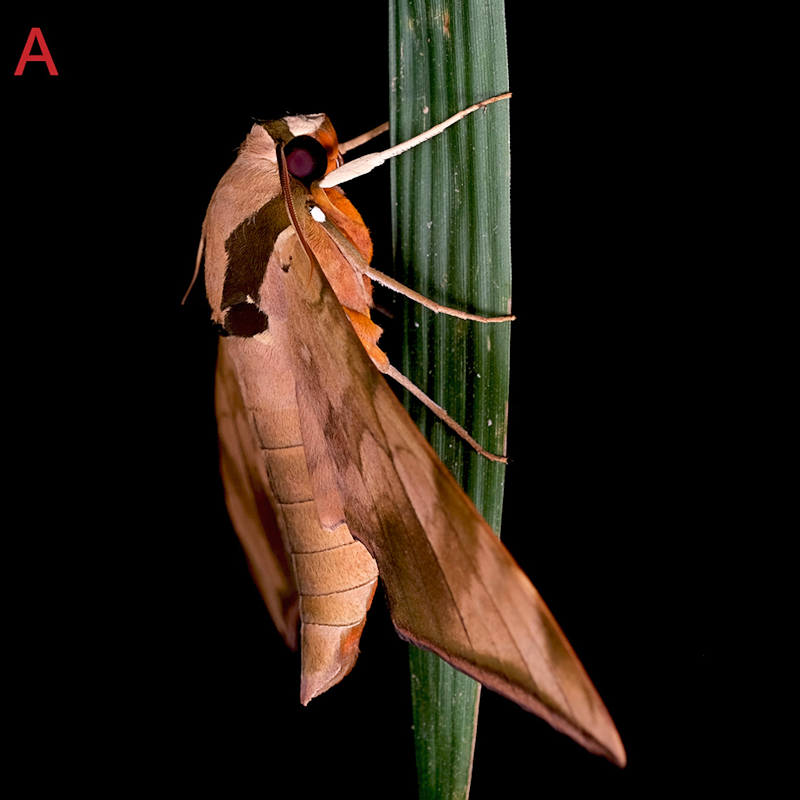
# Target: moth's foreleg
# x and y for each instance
(357, 141)
(361, 166)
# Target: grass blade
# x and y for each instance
(451, 234)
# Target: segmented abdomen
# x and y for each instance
(335, 575)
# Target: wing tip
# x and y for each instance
(604, 740)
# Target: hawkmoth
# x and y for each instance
(328, 482)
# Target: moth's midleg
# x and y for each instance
(358, 263)
(380, 359)
(396, 286)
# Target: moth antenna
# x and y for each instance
(196, 269)
(365, 164)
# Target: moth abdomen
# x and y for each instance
(335, 575)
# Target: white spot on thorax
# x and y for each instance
(304, 124)
(317, 213)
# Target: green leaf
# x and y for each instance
(450, 225)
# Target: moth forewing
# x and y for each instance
(355, 488)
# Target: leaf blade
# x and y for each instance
(451, 234)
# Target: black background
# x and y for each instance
(143, 652)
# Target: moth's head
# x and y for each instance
(310, 144)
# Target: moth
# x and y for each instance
(329, 484)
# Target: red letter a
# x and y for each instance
(36, 35)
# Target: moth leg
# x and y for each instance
(360, 264)
(389, 370)
(398, 287)
(361, 166)
(368, 333)
(351, 144)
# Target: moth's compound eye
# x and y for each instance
(306, 158)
